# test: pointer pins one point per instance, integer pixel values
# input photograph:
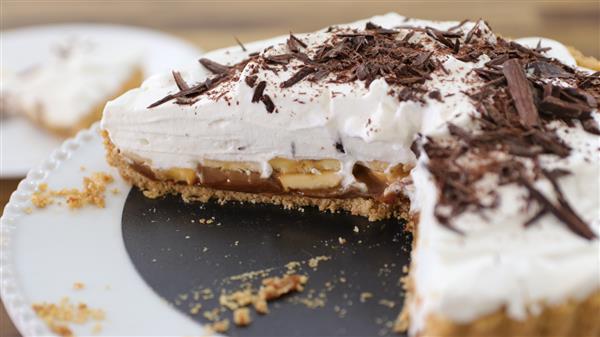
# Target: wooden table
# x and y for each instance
(213, 25)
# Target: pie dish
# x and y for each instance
(488, 148)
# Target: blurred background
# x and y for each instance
(213, 24)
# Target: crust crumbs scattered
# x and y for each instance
(92, 193)
(78, 286)
(365, 296)
(314, 262)
(387, 303)
(59, 316)
(239, 302)
(241, 317)
(220, 326)
(97, 329)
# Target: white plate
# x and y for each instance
(44, 253)
(21, 145)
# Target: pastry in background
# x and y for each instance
(68, 91)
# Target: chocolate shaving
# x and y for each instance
(269, 105)
(279, 59)
(295, 44)
(520, 91)
(213, 66)
(251, 80)
(460, 24)
(435, 95)
(545, 69)
(181, 84)
(472, 31)
(240, 43)
(561, 108)
(562, 210)
(258, 91)
(297, 77)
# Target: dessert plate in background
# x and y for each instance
(141, 260)
(22, 145)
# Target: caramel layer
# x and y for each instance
(319, 181)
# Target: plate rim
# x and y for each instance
(11, 294)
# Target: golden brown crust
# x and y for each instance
(369, 208)
(572, 318)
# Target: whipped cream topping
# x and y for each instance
(70, 85)
(309, 120)
(496, 263)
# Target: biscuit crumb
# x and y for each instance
(260, 305)
(387, 303)
(241, 316)
(220, 326)
(364, 296)
(92, 193)
(195, 309)
(341, 240)
(151, 194)
(58, 316)
(78, 286)
(314, 262)
(355, 229)
(97, 329)
(275, 287)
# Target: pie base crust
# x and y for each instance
(571, 318)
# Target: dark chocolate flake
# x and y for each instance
(562, 210)
(295, 44)
(545, 69)
(181, 84)
(240, 43)
(269, 105)
(520, 91)
(435, 95)
(251, 80)
(213, 66)
(258, 91)
(297, 77)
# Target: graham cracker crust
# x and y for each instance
(372, 209)
(571, 318)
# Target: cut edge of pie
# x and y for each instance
(183, 182)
